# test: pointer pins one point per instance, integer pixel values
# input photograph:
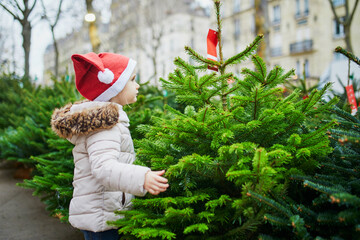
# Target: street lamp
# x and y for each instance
(90, 17)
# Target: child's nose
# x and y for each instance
(137, 86)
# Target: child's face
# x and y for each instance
(129, 94)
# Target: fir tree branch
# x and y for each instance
(215, 91)
(270, 202)
(232, 90)
(272, 76)
(242, 83)
(242, 232)
(320, 188)
(205, 79)
(277, 221)
(260, 65)
(252, 74)
(187, 67)
(255, 103)
(349, 171)
(319, 131)
(248, 51)
(197, 57)
(172, 77)
(345, 115)
(204, 115)
(348, 54)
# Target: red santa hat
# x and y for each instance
(100, 77)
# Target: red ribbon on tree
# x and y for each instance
(351, 98)
(212, 41)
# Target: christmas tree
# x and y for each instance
(325, 205)
(11, 98)
(27, 133)
(237, 138)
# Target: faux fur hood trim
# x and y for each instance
(86, 117)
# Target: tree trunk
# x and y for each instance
(56, 53)
(94, 37)
(347, 33)
(26, 34)
(261, 21)
(93, 31)
(348, 17)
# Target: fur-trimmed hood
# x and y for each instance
(85, 117)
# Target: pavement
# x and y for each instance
(23, 216)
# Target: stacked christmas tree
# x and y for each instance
(237, 139)
(324, 205)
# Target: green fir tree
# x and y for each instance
(233, 141)
(324, 205)
(11, 99)
(28, 134)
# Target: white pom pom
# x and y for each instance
(106, 76)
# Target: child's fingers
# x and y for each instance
(156, 191)
(159, 187)
(159, 173)
(161, 179)
(153, 192)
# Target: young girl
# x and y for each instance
(105, 179)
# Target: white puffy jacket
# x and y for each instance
(105, 179)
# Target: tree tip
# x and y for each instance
(338, 48)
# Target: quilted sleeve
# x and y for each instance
(103, 148)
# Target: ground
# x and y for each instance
(23, 216)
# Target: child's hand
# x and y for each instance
(154, 183)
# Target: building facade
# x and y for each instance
(302, 34)
(152, 32)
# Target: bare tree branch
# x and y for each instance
(32, 7)
(18, 5)
(26, 25)
(334, 11)
(353, 11)
(10, 12)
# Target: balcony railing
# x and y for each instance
(300, 47)
(302, 17)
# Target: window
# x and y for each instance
(301, 8)
(306, 7)
(338, 29)
(236, 6)
(236, 28)
(253, 27)
(338, 2)
(276, 46)
(339, 57)
(297, 7)
(306, 68)
(297, 71)
(277, 14)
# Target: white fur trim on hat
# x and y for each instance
(106, 76)
(119, 85)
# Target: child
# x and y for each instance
(105, 179)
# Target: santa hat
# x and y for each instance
(100, 77)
